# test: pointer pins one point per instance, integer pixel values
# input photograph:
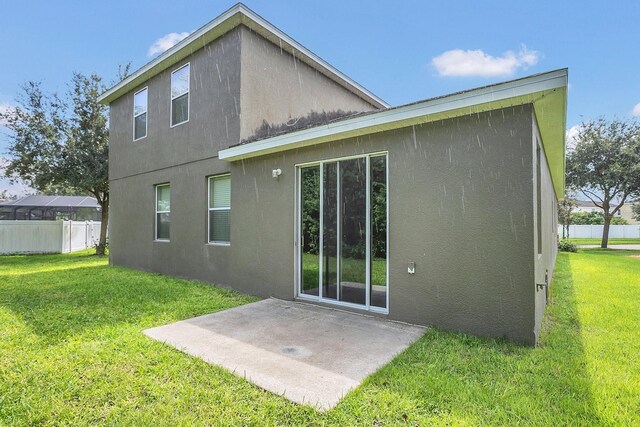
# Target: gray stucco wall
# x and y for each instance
(237, 81)
(276, 87)
(185, 154)
(214, 114)
(548, 222)
(460, 206)
(462, 193)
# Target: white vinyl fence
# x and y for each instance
(47, 236)
(595, 231)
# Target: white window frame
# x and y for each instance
(210, 209)
(155, 220)
(298, 228)
(146, 111)
(188, 93)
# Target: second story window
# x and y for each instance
(140, 114)
(180, 95)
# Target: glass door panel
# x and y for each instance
(343, 231)
(353, 230)
(378, 200)
(330, 231)
(310, 230)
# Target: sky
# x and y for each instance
(402, 51)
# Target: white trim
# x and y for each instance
(297, 212)
(367, 237)
(146, 111)
(209, 209)
(458, 103)
(321, 232)
(233, 17)
(338, 230)
(172, 98)
(338, 159)
(155, 208)
(547, 93)
(387, 251)
(298, 247)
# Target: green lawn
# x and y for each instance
(72, 352)
(611, 241)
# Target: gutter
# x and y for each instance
(457, 104)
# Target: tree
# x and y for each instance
(565, 207)
(605, 165)
(62, 150)
(594, 218)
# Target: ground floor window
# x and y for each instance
(220, 209)
(342, 227)
(163, 211)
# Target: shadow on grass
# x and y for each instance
(69, 294)
(443, 378)
(463, 379)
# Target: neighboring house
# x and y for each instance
(624, 212)
(75, 208)
(240, 158)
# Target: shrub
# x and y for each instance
(567, 246)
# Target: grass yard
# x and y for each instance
(72, 352)
(616, 241)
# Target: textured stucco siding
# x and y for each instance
(460, 207)
(277, 87)
(461, 193)
(214, 114)
(186, 154)
(548, 223)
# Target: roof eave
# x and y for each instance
(547, 92)
(236, 15)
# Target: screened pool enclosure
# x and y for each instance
(342, 228)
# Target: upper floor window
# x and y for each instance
(163, 211)
(219, 209)
(140, 114)
(180, 95)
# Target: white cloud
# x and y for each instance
(166, 42)
(636, 110)
(572, 136)
(465, 63)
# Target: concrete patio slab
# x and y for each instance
(309, 354)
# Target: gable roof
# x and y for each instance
(546, 91)
(53, 202)
(237, 15)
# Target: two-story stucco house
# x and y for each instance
(240, 158)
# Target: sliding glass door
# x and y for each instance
(342, 254)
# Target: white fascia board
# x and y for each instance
(516, 92)
(236, 15)
(170, 56)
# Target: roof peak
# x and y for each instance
(238, 14)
